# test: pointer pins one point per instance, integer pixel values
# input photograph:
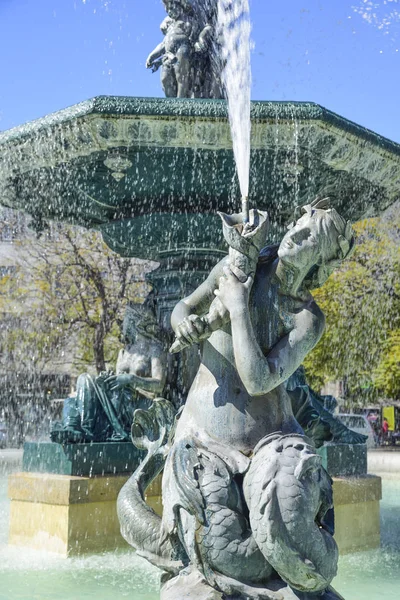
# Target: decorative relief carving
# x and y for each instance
(310, 130)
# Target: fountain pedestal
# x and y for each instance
(64, 514)
(83, 460)
(73, 513)
(68, 515)
(344, 460)
(357, 523)
(356, 497)
(64, 501)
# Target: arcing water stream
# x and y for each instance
(234, 48)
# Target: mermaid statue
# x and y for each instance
(247, 505)
(102, 408)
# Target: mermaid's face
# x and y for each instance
(300, 247)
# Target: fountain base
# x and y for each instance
(344, 460)
(68, 515)
(357, 522)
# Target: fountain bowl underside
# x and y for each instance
(151, 173)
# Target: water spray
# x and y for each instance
(245, 209)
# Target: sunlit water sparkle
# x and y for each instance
(382, 15)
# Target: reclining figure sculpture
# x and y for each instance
(102, 408)
(247, 504)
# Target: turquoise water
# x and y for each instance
(375, 575)
(32, 575)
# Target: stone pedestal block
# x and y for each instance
(86, 460)
(356, 497)
(356, 501)
(66, 514)
(344, 460)
(76, 515)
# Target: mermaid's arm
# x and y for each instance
(185, 319)
(259, 373)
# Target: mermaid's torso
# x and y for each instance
(134, 362)
(218, 405)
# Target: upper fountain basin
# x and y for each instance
(151, 173)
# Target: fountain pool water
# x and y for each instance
(375, 575)
(32, 575)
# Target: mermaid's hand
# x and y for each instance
(233, 294)
(190, 330)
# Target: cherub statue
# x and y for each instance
(247, 503)
(102, 408)
(182, 53)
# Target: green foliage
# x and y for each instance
(361, 302)
(387, 373)
(62, 307)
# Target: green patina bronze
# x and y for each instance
(150, 173)
(344, 460)
(83, 460)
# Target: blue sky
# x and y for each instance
(342, 54)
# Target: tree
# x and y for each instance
(72, 289)
(62, 298)
(361, 302)
(387, 373)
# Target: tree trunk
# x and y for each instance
(99, 336)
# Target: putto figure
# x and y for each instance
(247, 504)
(185, 54)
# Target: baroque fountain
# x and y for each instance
(247, 502)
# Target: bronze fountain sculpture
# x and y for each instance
(184, 56)
(247, 504)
